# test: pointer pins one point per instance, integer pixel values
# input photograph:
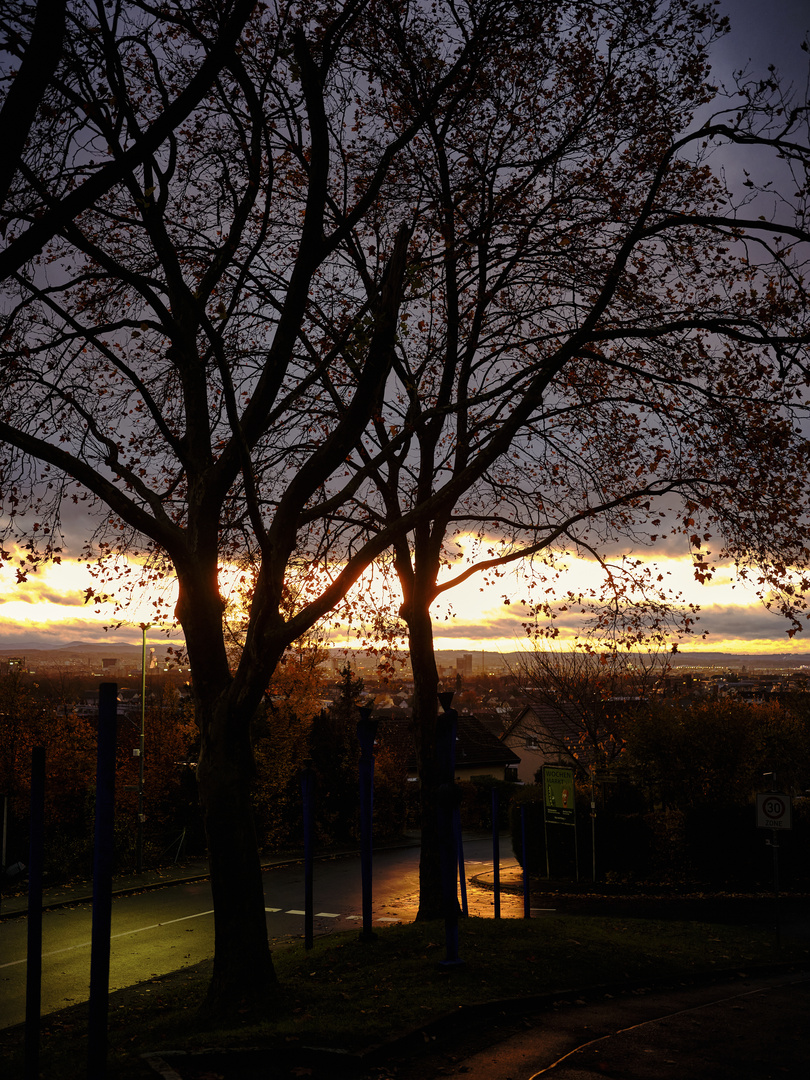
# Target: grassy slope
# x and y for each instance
(350, 995)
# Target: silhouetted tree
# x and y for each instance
(603, 342)
(386, 247)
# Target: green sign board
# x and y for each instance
(558, 795)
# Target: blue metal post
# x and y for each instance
(307, 783)
(446, 727)
(33, 983)
(103, 856)
(366, 733)
(462, 874)
(527, 909)
(496, 853)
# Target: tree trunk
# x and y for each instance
(243, 967)
(425, 712)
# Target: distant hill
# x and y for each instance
(736, 660)
(74, 649)
(70, 646)
(34, 650)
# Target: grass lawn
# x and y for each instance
(348, 995)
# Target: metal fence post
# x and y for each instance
(366, 733)
(33, 982)
(103, 856)
(496, 855)
(307, 784)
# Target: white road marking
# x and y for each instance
(124, 933)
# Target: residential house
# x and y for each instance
(543, 734)
(479, 751)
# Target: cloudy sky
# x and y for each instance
(50, 608)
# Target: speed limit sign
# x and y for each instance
(773, 810)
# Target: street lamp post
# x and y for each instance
(139, 835)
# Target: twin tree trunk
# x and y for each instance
(243, 966)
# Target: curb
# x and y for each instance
(86, 897)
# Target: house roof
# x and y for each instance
(565, 732)
(475, 745)
(554, 731)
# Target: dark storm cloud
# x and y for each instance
(746, 623)
(32, 593)
(719, 621)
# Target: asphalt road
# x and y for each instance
(160, 931)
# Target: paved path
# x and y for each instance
(745, 1029)
(739, 1029)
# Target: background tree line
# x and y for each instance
(674, 783)
(674, 780)
(292, 730)
(36, 713)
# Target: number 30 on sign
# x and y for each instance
(773, 810)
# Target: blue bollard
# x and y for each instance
(527, 910)
(33, 981)
(446, 727)
(496, 854)
(366, 733)
(462, 873)
(307, 785)
(103, 856)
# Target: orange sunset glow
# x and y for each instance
(49, 609)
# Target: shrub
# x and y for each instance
(526, 808)
(624, 844)
(476, 802)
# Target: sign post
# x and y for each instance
(558, 805)
(774, 813)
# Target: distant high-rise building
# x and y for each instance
(464, 664)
